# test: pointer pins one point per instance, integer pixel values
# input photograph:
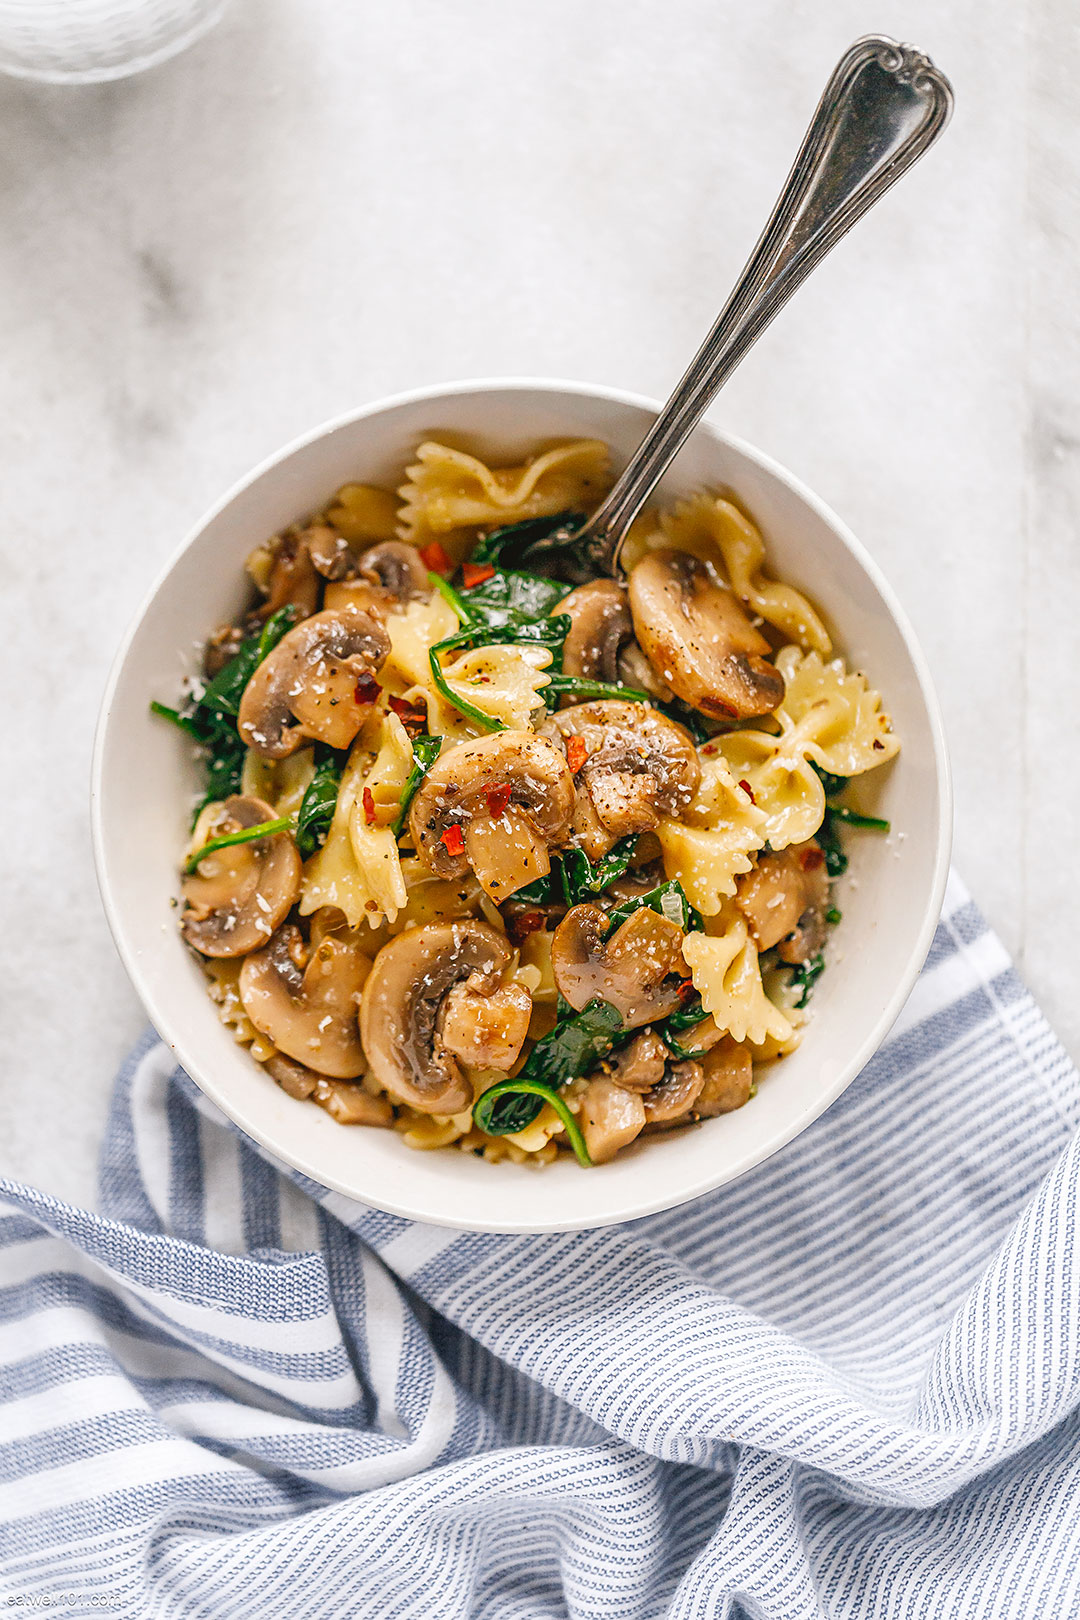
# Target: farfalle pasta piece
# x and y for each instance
(413, 631)
(829, 717)
(707, 525)
(358, 869)
(837, 715)
(502, 681)
(711, 845)
(280, 783)
(364, 514)
(785, 787)
(448, 492)
(727, 976)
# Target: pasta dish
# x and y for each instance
(503, 857)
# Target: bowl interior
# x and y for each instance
(890, 897)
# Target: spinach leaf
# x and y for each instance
(683, 1019)
(513, 540)
(828, 836)
(854, 818)
(317, 806)
(223, 694)
(582, 880)
(687, 717)
(245, 835)
(550, 633)
(669, 899)
(580, 686)
(512, 598)
(805, 975)
(545, 891)
(571, 1049)
(211, 718)
(521, 1093)
(425, 753)
(833, 785)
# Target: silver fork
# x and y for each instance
(883, 107)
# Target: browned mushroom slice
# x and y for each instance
(728, 1070)
(496, 804)
(638, 968)
(485, 1028)
(330, 552)
(640, 1065)
(404, 1016)
(396, 568)
(784, 898)
(315, 684)
(305, 1001)
(600, 626)
(295, 1079)
(610, 1119)
(698, 638)
(351, 1105)
(221, 648)
(381, 579)
(638, 766)
(293, 580)
(240, 894)
(671, 1102)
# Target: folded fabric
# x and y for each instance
(844, 1386)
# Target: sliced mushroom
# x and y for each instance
(610, 1119)
(783, 900)
(509, 796)
(638, 1066)
(600, 626)
(698, 638)
(638, 968)
(240, 894)
(485, 1028)
(351, 1105)
(221, 648)
(381, 579)
(728, 1071)
(306, 1001)
(296, 1079)
(293, 579)
(638, 766)
(672, 1100)
(396, 568)
(330, 552)
(404, 1013)
(313, 684)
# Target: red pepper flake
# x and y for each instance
(747, 789)
(498, 798)
(453, 840)
(435, 560)
(476, 574)
(413, 716)
(524, 923)
(686, 989)
(369, 807)
(879, 744)
(812, 858)
(367, 689)
(576, 754)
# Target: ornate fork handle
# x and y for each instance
(884, 105)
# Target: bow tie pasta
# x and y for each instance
(505, 866)
(448, 494)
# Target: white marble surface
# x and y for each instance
(322, 203)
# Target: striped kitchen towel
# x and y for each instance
(845, 1386)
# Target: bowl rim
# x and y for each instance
(845, 1073)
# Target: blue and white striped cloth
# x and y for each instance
(846, 1386)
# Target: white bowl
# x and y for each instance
(143, 777)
